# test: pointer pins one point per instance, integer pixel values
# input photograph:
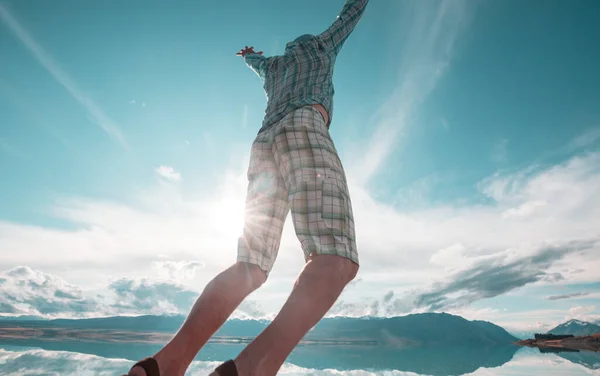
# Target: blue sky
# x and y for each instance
(470, 132)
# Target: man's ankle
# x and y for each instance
(169, 365)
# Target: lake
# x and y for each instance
(57, 357)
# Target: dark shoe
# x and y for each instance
(150, 366)
(227, 369)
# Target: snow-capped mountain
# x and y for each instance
(576, 328)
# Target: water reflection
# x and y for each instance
(587, 359)
(450, 360)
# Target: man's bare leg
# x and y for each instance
(317, 288)
(217, 302)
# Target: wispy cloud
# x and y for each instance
(168, 173)
(500, 151)
(434, 29)
(568, 296)
(95, 112)
(494, 275)
(587, 138)
(418, 193)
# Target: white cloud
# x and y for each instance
(584, 313)
(177, 270)
(24, 291)
(95, 112)
(31, 292)
(168, 173)
(525, 210)
(27, 292)
(449, 255)
(249, 309)
(133, 296)
(397, 248)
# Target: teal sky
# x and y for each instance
(470, 131)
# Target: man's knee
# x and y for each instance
(342, 267)
(255, 276)
(352, 270)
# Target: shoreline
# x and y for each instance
(582, 343)
(102, 335)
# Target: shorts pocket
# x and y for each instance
(334, 207)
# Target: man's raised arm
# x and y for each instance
(255, 60)
(258, 63)
(335, 36)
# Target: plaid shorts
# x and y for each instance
(294, 166)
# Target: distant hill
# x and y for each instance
(523, 334)
(21, 318)
(576, 328)
(428, 329)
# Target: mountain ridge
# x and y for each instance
(401, 331)
(576, 328)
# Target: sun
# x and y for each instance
(228, 214)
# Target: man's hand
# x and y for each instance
(248, 50)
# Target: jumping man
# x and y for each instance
(294, 166)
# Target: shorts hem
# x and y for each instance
(332, 252)
(253, 261)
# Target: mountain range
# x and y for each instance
(404, 331)
(576, 328)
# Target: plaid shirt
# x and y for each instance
(304, 74)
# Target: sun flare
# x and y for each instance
(228, 214)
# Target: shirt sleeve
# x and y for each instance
(335, 36)
(258, 63)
